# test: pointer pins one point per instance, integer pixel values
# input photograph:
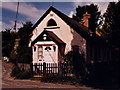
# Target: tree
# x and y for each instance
(8, 39)
(95, 15)
(111, 28)
(24, 51)
(111, 33)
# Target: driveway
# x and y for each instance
(9, 82)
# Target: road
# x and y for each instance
(9, 82)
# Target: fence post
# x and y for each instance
(31, 68)
(44, 68)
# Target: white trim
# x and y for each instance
(45, 42)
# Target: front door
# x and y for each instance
(48, 53)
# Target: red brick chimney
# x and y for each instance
(86, 16)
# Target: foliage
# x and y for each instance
(95, 15)
(111, 28)
(23, 50)
(23, 75)
(8, 39)
(75, 59)
(110, 31)
(60, 79)
(68, 58)
(15, 71)
(13, 56)
(79, 64)
(103, 74)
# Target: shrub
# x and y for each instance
(60, 79)
(23, 75)
(15, 71)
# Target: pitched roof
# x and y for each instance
(79, 28)
(51, 36)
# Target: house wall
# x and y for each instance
(65, 33)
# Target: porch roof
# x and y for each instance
(51, 35)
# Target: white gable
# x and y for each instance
(64, 32)
(60, 23)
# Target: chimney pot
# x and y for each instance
(86, 16)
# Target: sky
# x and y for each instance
(34, 10)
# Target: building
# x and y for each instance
(56, 34)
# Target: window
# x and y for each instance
(51, 22)
(47, 48)
(40, 53)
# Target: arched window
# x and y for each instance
(51, 22)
